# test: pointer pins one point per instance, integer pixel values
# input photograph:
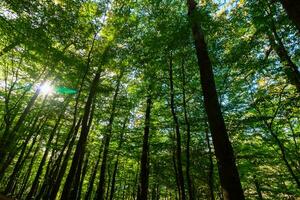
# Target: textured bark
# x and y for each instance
(177, 131)
(144, 166)
(228, 172)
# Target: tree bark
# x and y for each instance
(292, 8)
(144, 168)
(228, 172)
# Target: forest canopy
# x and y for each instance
(150, 99)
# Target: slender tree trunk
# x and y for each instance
(211, 168)
(57, 183)
(144, 173)
(228, 172)
(89, 191)
(258, 188)
(76, 164)
(188, 132)
(283, 155)
(177, 130)
(28, 173)
(35, 183)
(292, 8)
(113, 181)
(107, 137)
(7, 140)
(289, 67)
(84, 170)
(176, 173)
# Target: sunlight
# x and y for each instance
(46, 88)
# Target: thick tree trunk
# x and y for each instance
(144, 168)
(228, 172)
(177, 130)
(292, 8)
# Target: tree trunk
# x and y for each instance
(211, 169)
(35, 183)
(89, 191)
(177, 130)
(107, 137)
(7, 141)
(80, 149)
(28, 173)
(228, 172)
(62, 169)
(144, 173)
(188, 132)
(113, 181)
(289, 67)
(292, 8)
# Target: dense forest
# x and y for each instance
(150, 99)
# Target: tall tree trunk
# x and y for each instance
(211, 168)
(176, 174)
(84, 170)
(107, 137)
(113, 181)
(188, 132)
(80, 149)
(229, 176)
(177, 130)
(7, 140)
(28, 172)
(289, 67)
(35, 183)
(292, 8)
(144, 168)
(62, 169)
(89, 191)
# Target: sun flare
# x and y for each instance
(46, 88)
